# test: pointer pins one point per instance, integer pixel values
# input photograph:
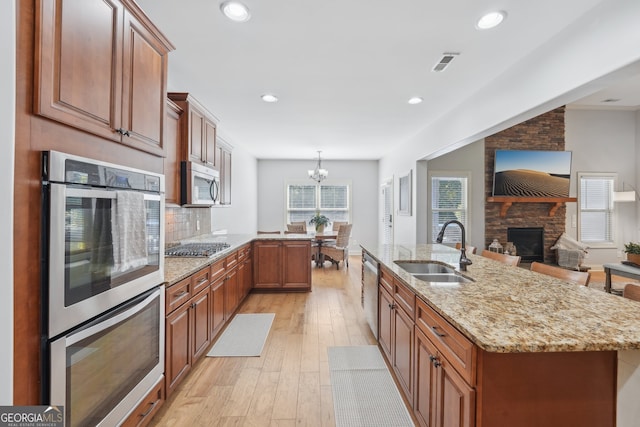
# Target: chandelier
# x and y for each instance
(318, 174)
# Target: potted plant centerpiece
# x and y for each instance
(633, 252)
(320, 221)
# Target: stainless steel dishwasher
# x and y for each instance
(370, 292)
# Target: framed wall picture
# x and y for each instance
(404, 194)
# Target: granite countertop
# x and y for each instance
(178, 268)
(510, 309)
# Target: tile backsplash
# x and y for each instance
(183, 223)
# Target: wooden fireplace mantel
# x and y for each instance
(507, 201)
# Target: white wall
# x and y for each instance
(605, 141)
(363, 174)
(7, 134)
(242, 216)
(468, 158)
(603, 45)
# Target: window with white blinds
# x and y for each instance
(331, 200)
(595, 220)
(449, 200)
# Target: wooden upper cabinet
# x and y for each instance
(101, 66)
(198, 130)
(172, 153)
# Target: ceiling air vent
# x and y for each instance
(444, 61)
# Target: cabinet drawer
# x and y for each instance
(386, 279)
(232, 260)
(217, 270)
(150, 405)
(451, 343)
(243, 252)
(200, 280)
(177, 294)
(405, 298)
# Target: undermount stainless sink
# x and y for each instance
(424, 267)
(442, 278)
(432, 272)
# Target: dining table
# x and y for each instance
(320, 239)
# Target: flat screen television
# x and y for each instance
(524, 173)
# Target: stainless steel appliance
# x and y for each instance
(103, 303)
(199, 250)
(102, 370)
(199, 185)
(370, 292)
(103, 233)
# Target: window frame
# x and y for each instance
(327, 182)
(612, 223)
(449, 174)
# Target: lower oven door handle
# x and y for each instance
(122, 313)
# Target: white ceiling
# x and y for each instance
(344, 70)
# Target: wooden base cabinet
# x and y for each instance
(187, 325)
(282, 265)
(442, 397)
(396, 329)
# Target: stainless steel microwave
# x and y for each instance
(199, 185)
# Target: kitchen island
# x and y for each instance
(508, 347)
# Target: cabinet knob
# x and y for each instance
(437, 364)
(123, 132)
(432, 357)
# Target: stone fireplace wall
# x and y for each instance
(545, 132)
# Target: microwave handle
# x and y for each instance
(214, 190)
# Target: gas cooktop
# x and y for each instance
(196, 249)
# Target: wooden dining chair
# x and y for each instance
(468, 249)
(577, 277)
(296, 227)
(631, 291)
(336, 225)
(503, 258)
(339, 251)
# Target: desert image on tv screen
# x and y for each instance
(521, 173)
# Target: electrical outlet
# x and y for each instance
(197, 225)
(574, 221)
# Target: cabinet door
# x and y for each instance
(172, 153)
(209, 143)
(455, 404)
(196, 135)
(178, 346)
(201, 323)
(267, 264)
(402, 350)
(424, 395)
(385, 303)
(231, 293)
(78, 78)
(297, 264)
(143, 87)
(217, 306)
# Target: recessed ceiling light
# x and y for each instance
(415, 100)
(235, 11)
(491, 19)
(267, 97)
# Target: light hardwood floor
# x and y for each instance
(289, 384)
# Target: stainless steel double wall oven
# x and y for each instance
(103, 303)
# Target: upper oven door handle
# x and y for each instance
(95, 193)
